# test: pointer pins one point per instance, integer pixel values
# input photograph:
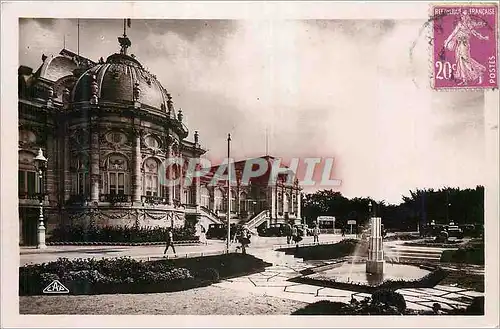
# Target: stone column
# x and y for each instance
(94, 161)
(285, 202)
(273, 201)
(136, 170)
(375, 262)
(299, 204)
(170, 186)
(66, 174)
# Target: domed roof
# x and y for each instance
(56, 67)
(117, 82)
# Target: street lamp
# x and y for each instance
(41, 165)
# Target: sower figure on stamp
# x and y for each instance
(467, 68)
(169, 241)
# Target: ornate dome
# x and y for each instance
(122, 80)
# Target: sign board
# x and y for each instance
(351, 222)
(326, 218)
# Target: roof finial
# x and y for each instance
(124, 40)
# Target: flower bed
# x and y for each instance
(428, 281)
(126, 275)
(72, 234)
(433, 243)
(383, 302)
(103, 243)
(329, 251)
(471, 253)
(403, 237)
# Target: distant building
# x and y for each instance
(105, 128)
(257, 202)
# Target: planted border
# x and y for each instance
(125, 275)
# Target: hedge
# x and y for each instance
(341, 249)
(126, 275)
(471, 253)
(118, 234)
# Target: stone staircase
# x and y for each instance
(402, 253)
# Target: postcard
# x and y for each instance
(250, 164)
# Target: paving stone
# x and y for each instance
(432, 291)
(454, 296)
(245, 286)
(281, 284)
(408, 292)
(414, 299)
(417, 306)
(330, 292)
(449, 288)
(437, 299)
(471, 293)
(302, 289)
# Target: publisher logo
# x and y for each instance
(55, 287)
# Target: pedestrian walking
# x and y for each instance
(169, 241)
(316, 234)
(288, 231)
(203, 235)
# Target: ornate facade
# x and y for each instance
(106, 127)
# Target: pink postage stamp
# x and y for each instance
(465, 46)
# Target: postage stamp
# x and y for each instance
(465, 47)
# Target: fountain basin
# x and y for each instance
(355, 273)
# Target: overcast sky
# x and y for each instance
(354, 90)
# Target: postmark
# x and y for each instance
(465, 46)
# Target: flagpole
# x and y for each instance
(228, 192)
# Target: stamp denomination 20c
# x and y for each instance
(465, 48)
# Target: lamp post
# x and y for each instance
(228, 193)
(41, 165)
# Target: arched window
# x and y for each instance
(262, 201)
(233, 200)
(27, 177)
(176, 176)
(150, 185)
(204, 197)
(218, 199)
(243, 202)
(288, 202)
(280, 202)
(80, 176)
(116, 175)
(295, 202)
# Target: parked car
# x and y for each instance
(219, 231)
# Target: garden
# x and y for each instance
(126, 275)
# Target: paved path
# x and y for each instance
(273, 282)
(32, 255)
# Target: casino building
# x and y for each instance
(105, 127)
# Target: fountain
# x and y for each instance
(369, 267)
(375, 262)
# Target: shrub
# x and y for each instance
(118, 234)
(47, 278)
(209, 274)
(126, 275)
(389, 298)
(471, 253)
(329, 251)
